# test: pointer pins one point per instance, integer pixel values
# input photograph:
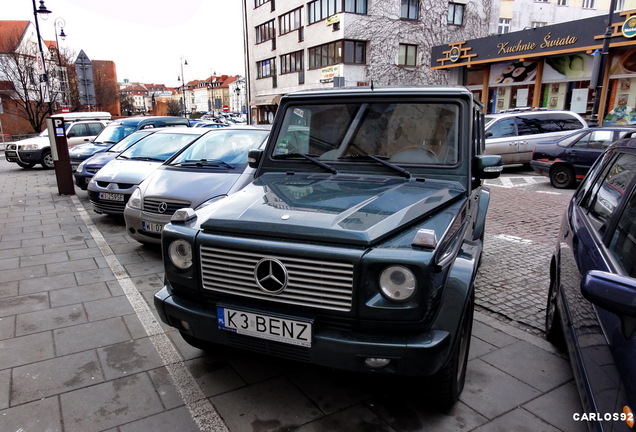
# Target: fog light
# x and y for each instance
(377, 363)
(185, 325)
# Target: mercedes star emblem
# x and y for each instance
(162, 207)
(270, 275)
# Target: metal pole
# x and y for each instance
(183, 90)
(45, 76)
(600, 73)
(59, 56)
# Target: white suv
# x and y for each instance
(37, 150)
(513, 134)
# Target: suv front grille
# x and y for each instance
(154, 206)
(312, 283)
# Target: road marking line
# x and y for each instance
(201, 409)
(513, 239)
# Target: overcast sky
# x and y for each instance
(146, 39)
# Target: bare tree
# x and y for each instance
(30, 91)
(127, 104)
(173, 107)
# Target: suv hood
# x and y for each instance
(345, 209)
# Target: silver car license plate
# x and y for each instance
(151, 226)
(265, 326)
(111, 196)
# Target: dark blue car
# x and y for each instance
(87, 169)
(567, 160)
(592, 297)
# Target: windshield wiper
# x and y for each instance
(380, 160)
(205, 162)
(145, 158)
(311, 158)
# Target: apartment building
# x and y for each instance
(294, 44)
(514, 15)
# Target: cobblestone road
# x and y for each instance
(522, 224)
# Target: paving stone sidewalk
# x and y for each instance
(77, 355)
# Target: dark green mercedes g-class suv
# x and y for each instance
(356, 245)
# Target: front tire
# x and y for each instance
(47, 160)
(562, 177)
(28, 165)
(448, 383)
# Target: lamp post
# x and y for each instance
(43, 12)
(599, 70)
(61, 23)
(183, 96)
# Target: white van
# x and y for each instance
(81, 127)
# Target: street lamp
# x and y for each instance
(44, 13)
(61, 23)
(183, 96)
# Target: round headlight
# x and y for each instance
(397, 283)
(180, 253)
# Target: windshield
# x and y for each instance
(114, 132)
(158, 146)
(404, 133)
(130, 140)
(229, 146)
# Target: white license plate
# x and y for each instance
(151, 226)
(265, 326)
(111, 196)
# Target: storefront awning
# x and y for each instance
(266, 100)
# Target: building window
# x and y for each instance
(562, 2)
(456, 14)
(408, 55)
(319, 10)
(290, 21)
(503, 26)
(537, 24)
(265, 68)
(410, 9)
(541, 1)
(265, 32)
(343, 51)
(292, 62)
(620, 5)
(258, 3)
(355, 6)
(588, 4)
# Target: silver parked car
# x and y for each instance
(513, 134)
(111, 187)
(209, 169)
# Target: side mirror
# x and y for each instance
(614, 293)
(487, 166)
(254, 158)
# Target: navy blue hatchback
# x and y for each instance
(592, 297)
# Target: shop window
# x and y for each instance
(410, 9)
(456, 14)
(503, 26)
(408, 55)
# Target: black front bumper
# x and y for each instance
(414, 355)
